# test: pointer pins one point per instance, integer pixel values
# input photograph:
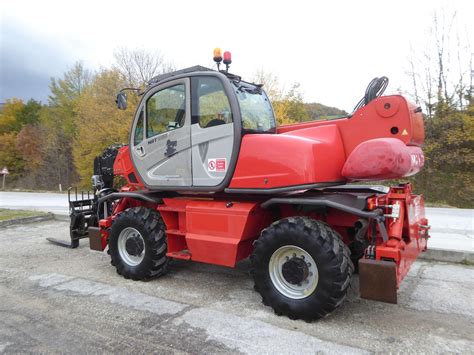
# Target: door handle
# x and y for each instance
(140, 151)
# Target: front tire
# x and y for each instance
(137, 244)
(301, 268)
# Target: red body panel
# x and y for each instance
(316, 152)
(408, 234)
(123, 166)
(304, 157)
(383, 159)
(212, 231)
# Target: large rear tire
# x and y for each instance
(301, 268)
(137, 244)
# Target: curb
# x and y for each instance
(61, 217)
(449, 256)
(33, 219)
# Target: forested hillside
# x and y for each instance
(318, 111)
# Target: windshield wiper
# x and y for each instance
(252, 130)
(254, 89)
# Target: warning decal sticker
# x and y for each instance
(216, 165)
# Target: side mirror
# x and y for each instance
(121, 101)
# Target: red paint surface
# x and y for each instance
(123, 166)
(383, 159)
(406, 239)
(317, 151)
(212, 231)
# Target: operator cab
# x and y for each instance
(188, 126)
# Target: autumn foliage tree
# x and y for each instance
(442, 76)
(10, 156)
(19, 138)
(287, 104)
(100, 124)
(138, 66)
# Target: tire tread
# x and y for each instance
(155, 240)
(317, 235)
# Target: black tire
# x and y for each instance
(152, 230)
(324, 246)
(357, 252)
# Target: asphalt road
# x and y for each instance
(54, 299)
(36, 201)
(452, 228)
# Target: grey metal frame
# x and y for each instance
(237, 122)
(284, 189)
(332, 201)
(142, 106)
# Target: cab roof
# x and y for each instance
(159, 78)
(199, 69)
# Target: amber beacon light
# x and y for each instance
(217, 57)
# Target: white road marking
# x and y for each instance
(250, 336)
(117, 295)
(444, 288)
(256, 337)
(3, 346)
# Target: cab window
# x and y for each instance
(255, 108)
(138, 136)
(166, 110)
(210, 103)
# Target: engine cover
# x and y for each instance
(383, 158)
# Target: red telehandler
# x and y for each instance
(211, 178)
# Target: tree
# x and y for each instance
(441, 82)
(57, 165)
(9, 115)
(65, 93)
(287, 105)
(318, 111)
(10, 156)
(449, 149)
(18, 138)
(441, 87)
(138, 66)
(100, 123)
(28, 115)
(58, 126)
(68, 89)
(270, 83)
(28, 143)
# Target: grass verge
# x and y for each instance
(6, 214)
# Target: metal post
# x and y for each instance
(3, 183)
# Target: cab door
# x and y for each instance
(161, 136)
(212, 132)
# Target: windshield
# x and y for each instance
(255, 108)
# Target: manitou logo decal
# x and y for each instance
(216, 165)
(417, 159)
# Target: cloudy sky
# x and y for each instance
(332, 48)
